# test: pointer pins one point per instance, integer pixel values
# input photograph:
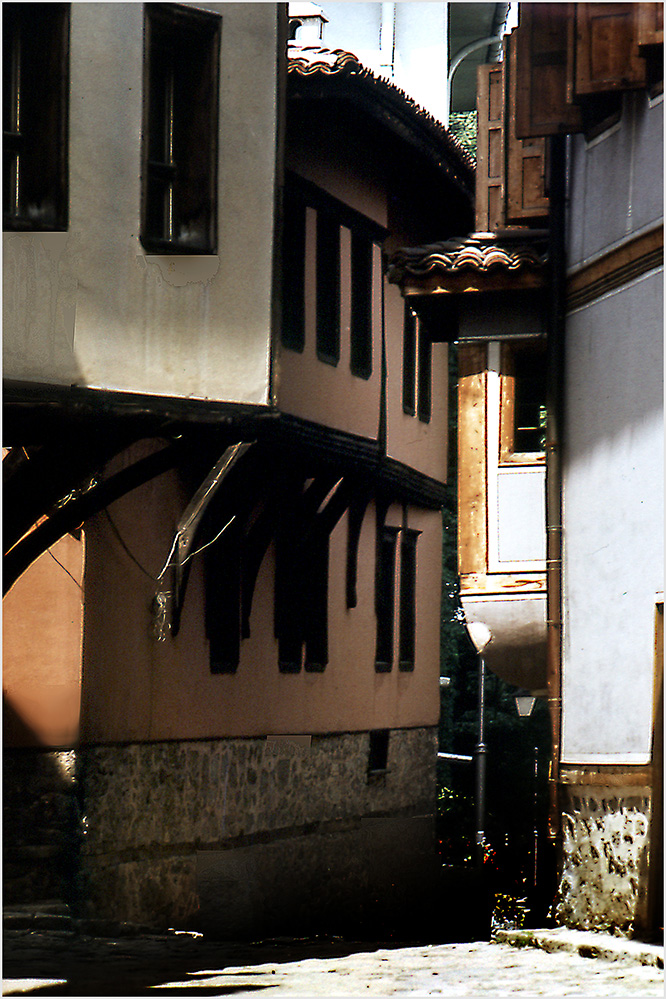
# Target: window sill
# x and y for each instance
(523, 458)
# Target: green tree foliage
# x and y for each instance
(462, 124)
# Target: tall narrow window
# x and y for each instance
(385, 598)
(35, 90)
(409, 361)
(180, 130)
(407, 599)
(328, 288)
(361, 304)
(293, 272)
(425, 374)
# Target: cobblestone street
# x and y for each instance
(65, 963)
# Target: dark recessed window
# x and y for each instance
(328, 288)
(530, 402)
(35, 93)
(385, 597)
(378, 752)
(424, 403)
(180, 130)
(293, 271)
(409, 361)
(361, 304)
(407, 599)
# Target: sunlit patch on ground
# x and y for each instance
(17, 986)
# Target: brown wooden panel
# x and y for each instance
(507, 403)
(472, 521)
(525, 183)
(650, 24)
(607, 56)
(490, 147)
(539, 85)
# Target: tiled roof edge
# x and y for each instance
(307, 60)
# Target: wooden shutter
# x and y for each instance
(540, 94)
(490, 148)
(650, 24)
(525, 158)
(606, 51)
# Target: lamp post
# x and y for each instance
(524, 704)
(480, 635)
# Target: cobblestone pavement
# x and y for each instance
(66, 963)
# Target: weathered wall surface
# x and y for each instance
(605, 838)
(41, 825)
(136, 688)
(90, 306)
(170, 828)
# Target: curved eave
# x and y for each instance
(475, 264)
(339, 75)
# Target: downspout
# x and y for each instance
(555, 410)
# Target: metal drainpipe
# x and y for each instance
(555, 410)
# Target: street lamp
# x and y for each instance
(480, 634)
(524, 704)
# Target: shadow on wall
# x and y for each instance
(41, 818)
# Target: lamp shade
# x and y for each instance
(479, 633)
(524, 703)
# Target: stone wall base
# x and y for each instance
(246, 837)
(604, 857)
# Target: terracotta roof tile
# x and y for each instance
(510, 250)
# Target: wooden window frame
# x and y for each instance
(509, 401)
(180, 130)
(35, 116)
(409, 340)
(328, 287)
(362, 254)
(387, 546)
(293, 270)
(407, 639)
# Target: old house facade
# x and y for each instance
(224, 470)
(558, 305)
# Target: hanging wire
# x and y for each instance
(126, 549)
(64, 569)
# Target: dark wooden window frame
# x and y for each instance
(35, 113)
(387, 546)
(299, 195)
(409, 337)
(180, 130)
(328, 287)
(407, 640)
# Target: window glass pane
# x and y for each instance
(35, 89)
(180, 131)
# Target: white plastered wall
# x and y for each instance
(89, 307)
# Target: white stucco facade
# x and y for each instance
(89, 307)
(613, 462)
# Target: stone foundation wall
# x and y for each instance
(604, 871)
(179, 833)
(41, 828)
